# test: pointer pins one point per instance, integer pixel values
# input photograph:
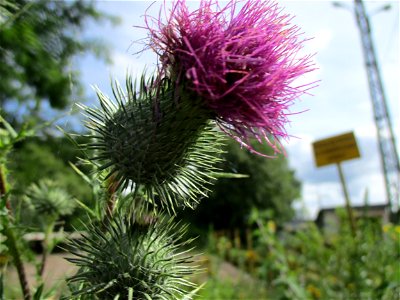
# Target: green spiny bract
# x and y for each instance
(125, 256)
(158, 140)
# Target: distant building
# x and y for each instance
(296, 225)
(328, 220)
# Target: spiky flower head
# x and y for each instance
(242, 62)
(49, 200)
(144, 260)
(155, 141)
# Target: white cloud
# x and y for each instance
(322, 39)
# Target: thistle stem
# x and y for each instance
(111, 193)
(43, 262)
(3, 189)
(46, 248)
(12, 245)
(11, 240)
(108, 214)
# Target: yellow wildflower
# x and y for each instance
(271, 226)
(314, 291)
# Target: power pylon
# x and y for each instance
(386, 139)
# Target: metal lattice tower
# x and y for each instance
(387, 145)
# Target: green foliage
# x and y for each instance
(307, 264)
(125, 253)
(271, 185)
(310, 265)
(37, 159)
(9, 233)
(221, 289)
(36, 49)
(223, 281)
(5, 11)
(9, 137)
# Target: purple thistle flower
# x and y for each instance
(242, 63)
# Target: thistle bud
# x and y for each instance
(49, 200)
(157, 140)
(131, 258)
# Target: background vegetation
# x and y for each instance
(270, 186)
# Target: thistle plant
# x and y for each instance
(217, 66)
(159, 140)
(130, 258)
(50, 202)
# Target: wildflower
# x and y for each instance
(242, 63)
(387, 227)
(314, 291)
(251, 256)
(271, 227)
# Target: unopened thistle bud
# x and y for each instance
(156, 140)
(131, 258)
(49, 200)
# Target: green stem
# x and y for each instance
(11, 240)
(111, 194)
(12, 245)
(3, 189)
(46, 248)
(43, 262)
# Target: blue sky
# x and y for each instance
(340, 103)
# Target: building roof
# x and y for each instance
(322, 211)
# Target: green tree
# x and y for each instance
(271, 186)
(38, 158)
(37, 43)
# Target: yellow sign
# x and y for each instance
(335, 149)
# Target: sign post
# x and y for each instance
(347, 198)
(334, 150)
